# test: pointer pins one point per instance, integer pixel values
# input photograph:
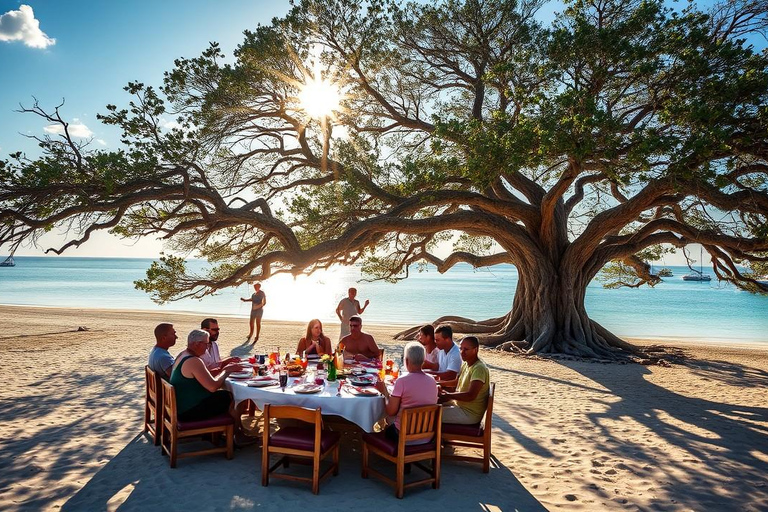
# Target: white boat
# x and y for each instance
(695, 275)
(8, 262)
(698, 275)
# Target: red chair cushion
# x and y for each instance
(474, 430)
(216, 421)
(380, 441)
(299, 438)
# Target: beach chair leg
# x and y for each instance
(264, 467)
(316, 473)
(230, 442)
(365, 461)
(336, 461)
(174, 449)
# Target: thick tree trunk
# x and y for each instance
(547, 316)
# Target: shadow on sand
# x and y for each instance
(720, 442)
(139, 478)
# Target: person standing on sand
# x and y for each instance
(347, 308)
(160, 360)
(258, 300)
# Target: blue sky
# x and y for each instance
(100, 46)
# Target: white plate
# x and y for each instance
(261, 383)
(241, 375)
(307, 389)
(363, 392)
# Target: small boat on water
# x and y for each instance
(695, 275)
(8, 262)
(698, 275)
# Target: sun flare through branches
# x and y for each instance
(319, 97)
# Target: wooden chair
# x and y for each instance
(472, 436)
(312, 443)
(416, 424)
(173, 430)
(153, 405)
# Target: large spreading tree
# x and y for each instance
(621, 128)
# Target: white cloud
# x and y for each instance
(76, 129)
(102, 142)
(167, 125)
(21, 25)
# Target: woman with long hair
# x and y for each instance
(315, 342)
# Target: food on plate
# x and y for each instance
(295, 370)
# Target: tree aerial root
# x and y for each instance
(576, 336)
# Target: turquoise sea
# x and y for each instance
(674, 308)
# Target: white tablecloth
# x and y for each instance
(364, 411)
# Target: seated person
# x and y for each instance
(467, 404)
(315, 342)
(448, 356)
(411, 390)
(426, 336)
(198, 393)
(211, 357)
(160, 360)
(358, 344)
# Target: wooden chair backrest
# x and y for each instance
(420, 423)
(489, 407)
(152, 380)
(169, 402)
(293, 412)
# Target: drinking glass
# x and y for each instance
(283, 378)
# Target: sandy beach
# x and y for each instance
(568, 435)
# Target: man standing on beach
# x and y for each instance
(347, 308)
(449, 356)
(258, 300)
(467, 404)
(359, 344)
(160, 360)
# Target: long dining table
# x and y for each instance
(364, 411)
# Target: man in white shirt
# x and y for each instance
(211, 356)
(449, 356)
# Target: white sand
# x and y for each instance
(567, 435)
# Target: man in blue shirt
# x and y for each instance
(160, 360)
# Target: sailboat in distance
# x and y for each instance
(8, 262)
(698, 275)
